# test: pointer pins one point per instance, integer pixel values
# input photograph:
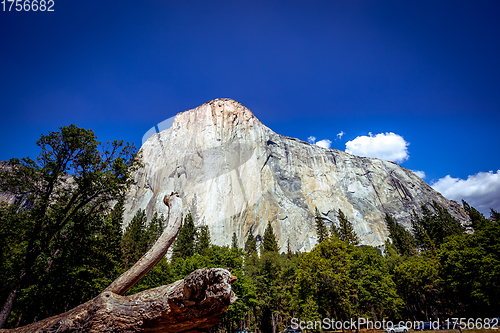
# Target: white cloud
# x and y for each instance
(419, 173)
(311, 139)
(340, 135)
(481, 191)
(387, 146)
(325, 143)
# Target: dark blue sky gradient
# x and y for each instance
(426, 70)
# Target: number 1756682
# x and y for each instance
(28, 5)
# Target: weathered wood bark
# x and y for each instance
(159, 249)
(189, 305)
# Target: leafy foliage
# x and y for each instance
(323, 276)
(374, 292)
(68, 254)
(470, 269)
(66, 192)
(417, 283)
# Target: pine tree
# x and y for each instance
(270, 242)
(401, 238)
(334, 231)
(202, 240)
(321, 229)
(494, 215)
(419, 228)
(155, 229)
(446, 225)
(430, 229)
(135, 240)
(114, 224)
(346, 230)
(184, 245)
(234, 242)
(475, 216)
(289, 253)
(251, 244)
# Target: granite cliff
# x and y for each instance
(236, 174)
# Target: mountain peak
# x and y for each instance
(219, 120)
(227, 110)
(239, 175)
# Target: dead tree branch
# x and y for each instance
(189, 305)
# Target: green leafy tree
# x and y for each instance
(267, 285)
(470, 270)
(13, 233)
(321, 228)
(81, 265)
(477, 219)
(392, 258)
(114, 223)
(346, 231)
(322, 275)
(374, 292)
(418, 284)
(74, 179)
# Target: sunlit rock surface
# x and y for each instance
(236, 174)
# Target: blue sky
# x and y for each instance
(427, 71)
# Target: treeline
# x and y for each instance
(442, 271)
(62, 244)
(61, 237)
(436, 271)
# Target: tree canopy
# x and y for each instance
(66, 190)
(63, 243)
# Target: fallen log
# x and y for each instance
(192, 304)
(189, 305)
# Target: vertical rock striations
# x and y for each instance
(240, 174)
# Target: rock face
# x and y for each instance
(235, 174)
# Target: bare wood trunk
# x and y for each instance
(159, 249)
(188, 305)
(7, 306)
